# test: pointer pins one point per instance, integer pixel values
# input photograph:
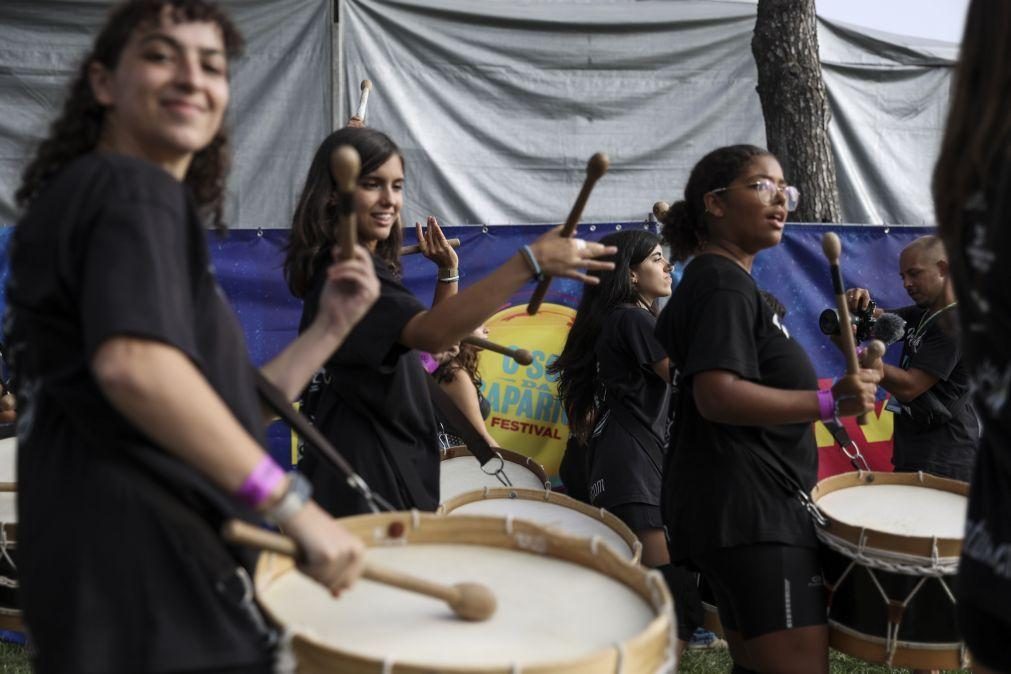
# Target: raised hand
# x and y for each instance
(566, 256)
(434, 245)
(350, 290)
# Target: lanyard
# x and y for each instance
(921, 327)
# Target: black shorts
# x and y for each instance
(765, 587)
(986, 636)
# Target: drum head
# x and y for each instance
(560, 607)
(460, 472)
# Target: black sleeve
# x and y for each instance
(721, 335)
(136, 277)
(939, 352)
(636, 334)
(374, 341)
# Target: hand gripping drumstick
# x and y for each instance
(470, 601)
(521, 356)
(344, 167)
(832, 247)
(363, 100)
(416, 248)
(596, 167)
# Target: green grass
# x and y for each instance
(14, 659)
(717, 661)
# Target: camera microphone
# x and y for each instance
(889, 328)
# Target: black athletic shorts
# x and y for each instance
(765, 587)
(986, 635)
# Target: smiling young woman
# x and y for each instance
(140, 428)
(372, 399)
(747, 393)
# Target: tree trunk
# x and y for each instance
(785, 47)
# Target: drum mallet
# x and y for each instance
(595, 168)
(363, 100)
(660, 209)
(415, 248)
(344, 167)
(521, 356)
(832, 247)
(470, 601)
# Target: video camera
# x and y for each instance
(863, 319)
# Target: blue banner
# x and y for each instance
(525, 416)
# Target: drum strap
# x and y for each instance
(276, 401)
(788, 482)
(478, 446)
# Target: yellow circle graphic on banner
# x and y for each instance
(526, 416)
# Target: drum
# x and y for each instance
(557, 512)
(561, 607)
(10, 614)
(891, 549)
(460, 472)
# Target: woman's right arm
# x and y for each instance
(162, 393)
(463, 392)
(455, 317)
(724, 397)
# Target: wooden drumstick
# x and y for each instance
(595, 168)
(363, 100)
(660, 209)
(470, 601)
(344, 167)
(832, 247)
(521, 356)
(416, 248)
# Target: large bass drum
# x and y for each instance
(891, 550)
(460, 472)
(564, 607)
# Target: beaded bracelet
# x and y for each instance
(528, 254)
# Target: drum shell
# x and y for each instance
(928, 636)
(10, 612)
(526, 473)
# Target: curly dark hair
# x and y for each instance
(313, 227)
(576, 367)
(466, 360)
(684, 225)
(79, 127)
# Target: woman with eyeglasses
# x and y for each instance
(742, 424)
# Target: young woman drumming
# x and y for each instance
(614, 383)
(458, 376)
(140, 427)
(372, 398)
(747, 397)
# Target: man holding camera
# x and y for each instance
(936, 428)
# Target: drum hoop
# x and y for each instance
(912, 654)
(546, 495)
(506, 455)
(522, 536)
(877, 542)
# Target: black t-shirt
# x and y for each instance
(372, 403)
(931, 344)
(113, 247)
(983, 281)
(717, 493)
(626, 453)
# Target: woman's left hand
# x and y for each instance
(350, 290)
(435, 246)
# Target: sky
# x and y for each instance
(935, 19)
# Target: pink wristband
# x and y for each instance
(428, 362)
(261, 483)
(826, 405)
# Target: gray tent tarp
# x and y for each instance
(281, 94)
(498, 104)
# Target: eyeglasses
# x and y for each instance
(767, 191)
